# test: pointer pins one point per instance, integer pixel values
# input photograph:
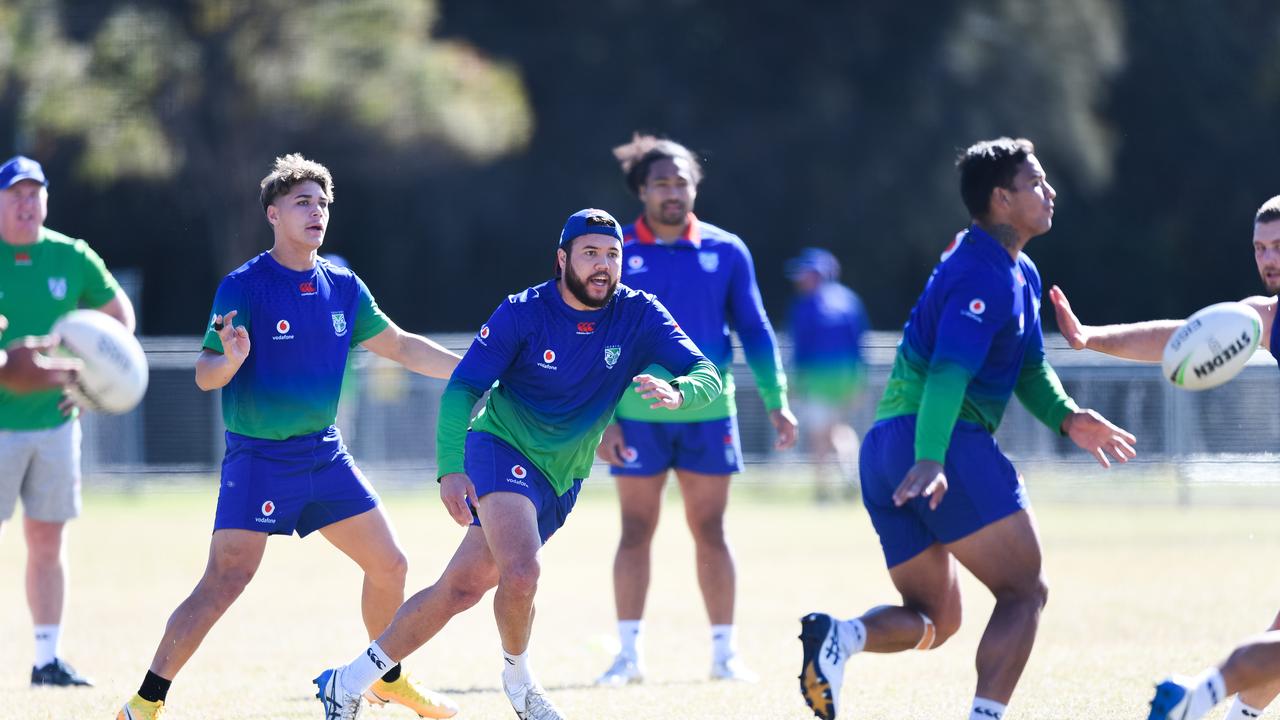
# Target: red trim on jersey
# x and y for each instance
(692, 235)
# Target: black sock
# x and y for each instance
(393, 674)
(154, 687)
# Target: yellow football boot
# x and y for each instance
(139, 709)
(411, 694)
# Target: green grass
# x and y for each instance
(1136, 592)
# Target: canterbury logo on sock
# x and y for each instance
(988, 712)
(376, 660)
(509, 661)
(1249, 713)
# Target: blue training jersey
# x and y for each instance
(827, 327)
(707, 280)
(301, 325)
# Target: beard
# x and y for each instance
(578, 287)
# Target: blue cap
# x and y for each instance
(590, 222)
(813, 260)
(20, 167)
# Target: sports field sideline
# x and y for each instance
(1137, 591)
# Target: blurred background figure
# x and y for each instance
(828, 372)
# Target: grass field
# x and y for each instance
(1136, 592)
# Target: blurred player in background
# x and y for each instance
(1253, 668)
(25, 368)
(281, 329)
(44, 275)
(827, 325)
(935, 483)
(705, 277)
(561, 353)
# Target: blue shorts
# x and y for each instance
(710, 447)
(494, 466)
(982, 487)
(280, 486)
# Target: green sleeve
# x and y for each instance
(370, 320)
(940, 403)
(100, 287)
(1041, 393)
(701, 384)
(456, 404)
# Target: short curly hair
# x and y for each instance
(987, 165)
(1269, 212)
(289, 171)
(643, 151)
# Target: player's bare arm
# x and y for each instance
(1099, 437)
(1143, 341)
(659, 391)
(786, 425)
(24, 366)
(455, 490)
(417, 353)
(214, 370)
(121, 309)
(1266, 308)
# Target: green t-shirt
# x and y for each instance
(40, 283)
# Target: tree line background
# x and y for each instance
(461, 133)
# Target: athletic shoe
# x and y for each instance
(823, 670)
(58, 673)
(338, 703)
(531, 702)
(623, 671)
(411, 694)
(733, 668)
(139, 709)
(1172, 700)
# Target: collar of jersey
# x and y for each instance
(989, 245)
(692, 236)
(275, 265)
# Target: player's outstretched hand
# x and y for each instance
(1099, 437)
(235, 339)
(27, 368)
(924, 479)
(659, 391)
(1076, 334)
(785, 424)
(612, 445)
(455, 488)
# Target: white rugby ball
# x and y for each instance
(1212, 346)
(114, 377)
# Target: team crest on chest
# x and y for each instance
(58, 288)
(339, 323)
(709, 260)
(611, 355)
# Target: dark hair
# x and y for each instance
(1269, 212)
(289, 171)
(643, 151)
(987, 165)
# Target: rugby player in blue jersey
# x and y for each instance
(1252, 671)
(705, 276)
(937, 487)
(281, 329)
(513, 473)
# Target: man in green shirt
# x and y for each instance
(44, 275)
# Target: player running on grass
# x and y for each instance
(1253, 668)
(282, 327)
(562, 354)
(935, 483)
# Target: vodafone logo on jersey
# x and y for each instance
(977, 306)
(548, 360)
(282, 330)
(483, 335)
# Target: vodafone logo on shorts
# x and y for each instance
(519, 472)
(977, 306)
(630, 454)
(282, 330)
(548, 360)
(268, 508)
(484, 332)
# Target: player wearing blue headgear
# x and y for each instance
(1252, 671)
(706, 277)
(971, 342)
(282, 327)
(562, 353)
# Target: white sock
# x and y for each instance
(1209, 690)
(629, 635)
(724, 642)
(1240, 711)
(515, 670)
(984, 709)
(47, 639)
(853, 636)
(368, 666)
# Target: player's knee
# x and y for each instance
(224, 586)
(637, 530)
(521, 577)
(945, 625)
(708, 530)
(1033, 593)
(390, 570)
